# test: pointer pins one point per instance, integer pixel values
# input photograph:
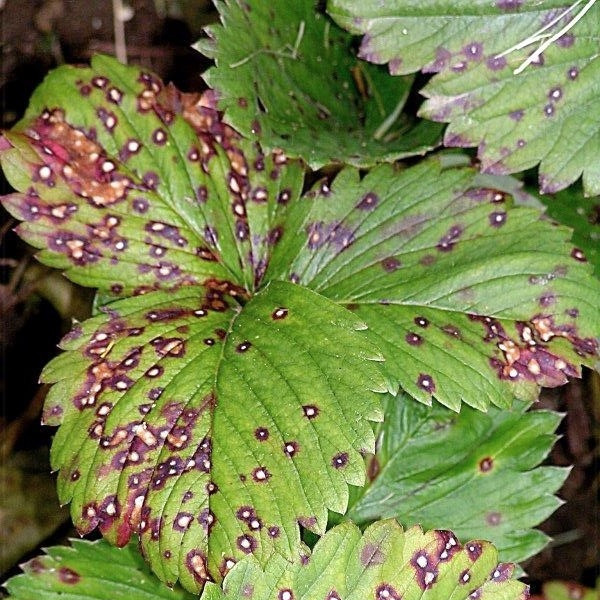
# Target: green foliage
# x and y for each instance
(475, 472)
(547, 113)
(90, 570)
(311, 96)
(225, 403)
(383, 563)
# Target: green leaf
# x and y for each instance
(90, 571)
(287, 77)
(571, 208)
(384, 563)
(547, 113)
(458, 292)
(475, 472)
(130, 185)
(212, 429)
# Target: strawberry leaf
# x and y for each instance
(288, 77)
(546, 113)
(489, 486)
(90, 570)
(384, 563)
(458, 292)
(132, 186)
(212, 429)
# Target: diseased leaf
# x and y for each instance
(547, 113)
(131, 186)
(90, 571)
(384, 563)
(211, 429)
(288, 77)
(571, 208)
(478, 472)
(458, 291)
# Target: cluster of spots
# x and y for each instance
(555, 94)
(528, 357)
(449, 239)
(200, 111)
(73, 155)
(334, 234)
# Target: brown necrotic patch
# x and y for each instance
(71, 154)
(371, 555)
(68, 576)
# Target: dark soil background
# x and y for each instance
(37, 304)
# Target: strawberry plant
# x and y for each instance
(311, 368)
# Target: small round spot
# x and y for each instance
(573, 73)
(246, 543)
(421, 322)
(310, 411)
(464, 577)
(425, 382)
(369, 201)
(578, 255)
(209, 341)
(555, 93)
(390, 264)
(413, 339)
(340, 460)
(386, 592)
(493, 518)
(273, 531)
(290, 448)
(159, 137)
(497, 218)
(279, 313)
(486, 464)
(154, 371)
(285, 594)
(260, 474)
(261, 434)
(243, 346)
(549, 110)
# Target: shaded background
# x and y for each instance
(37, 305)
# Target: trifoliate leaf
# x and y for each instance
(90, 571)
(212, 430)
(383, 563)
(571, 208)
(131, 186)
(457, 288)
(545, 113)
(474, 471)
(287, 76)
